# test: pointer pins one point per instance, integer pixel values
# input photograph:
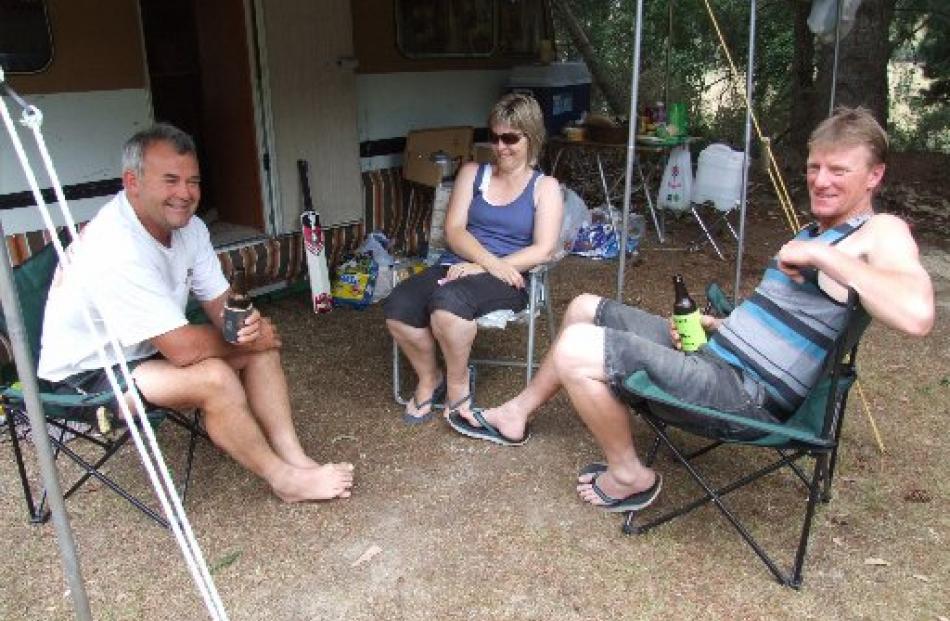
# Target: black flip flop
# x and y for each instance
(438, 395)
(633, 502)
(485, 432)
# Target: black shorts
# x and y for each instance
(413, 301)
(96, 380)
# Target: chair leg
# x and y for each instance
(814, 492)
(195, 431)
(21, 466)
(709, 236)
(532, 307)
(792, 579)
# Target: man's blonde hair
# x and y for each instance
(851, 127)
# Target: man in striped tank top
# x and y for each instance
(760, 361)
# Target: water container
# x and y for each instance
(718, 177)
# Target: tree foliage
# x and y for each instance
(681, 59)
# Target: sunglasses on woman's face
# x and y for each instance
(509, 138)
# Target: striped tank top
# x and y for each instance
(781, 335)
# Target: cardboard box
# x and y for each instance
(422, 143)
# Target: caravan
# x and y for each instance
(260, 84)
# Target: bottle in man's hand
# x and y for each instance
(237, 308)
(686, 317)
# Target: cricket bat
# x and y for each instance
(314, 245)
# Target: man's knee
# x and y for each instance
(582, 309)
(215, 375)
(579, 351)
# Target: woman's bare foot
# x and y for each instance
(426, 397)
(320, 483)
(460, 397)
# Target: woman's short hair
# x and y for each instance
(522, 113)
(851, 127)
(133, 153)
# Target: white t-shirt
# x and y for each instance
(138, 285)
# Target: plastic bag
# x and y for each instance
(821, 20)
(355, 282)
(677, 183)
(377, 246)
(576, 216)
(599, 240)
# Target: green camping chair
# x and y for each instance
(73, 420)
(812, 431)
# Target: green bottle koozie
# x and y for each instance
(690, 330)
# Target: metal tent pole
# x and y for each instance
(750, 67)
(631, 149)
(27, 376)
(834, 65)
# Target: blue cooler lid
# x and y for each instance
(552, 75)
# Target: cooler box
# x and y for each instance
(562, 90)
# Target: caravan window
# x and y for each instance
(440, 28)
(469, 28)
(26, 45)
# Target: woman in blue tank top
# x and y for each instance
(503, 219)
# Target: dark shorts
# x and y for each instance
(96, 380)
(636, 340)
(413, 301)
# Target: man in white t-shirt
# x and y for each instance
(134, 267)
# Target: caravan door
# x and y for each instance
(310, 82)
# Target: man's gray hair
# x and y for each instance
(133, 153)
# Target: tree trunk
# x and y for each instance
(802, 105)
(599, 73)
(862, 63)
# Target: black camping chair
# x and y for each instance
(79, 418)
(812, 431)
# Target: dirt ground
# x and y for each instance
(469, 530)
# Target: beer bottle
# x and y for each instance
(686, 317)
(237, 307)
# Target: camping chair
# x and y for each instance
(812, 431)
(538, 300)
(77, 418)
(719, 181)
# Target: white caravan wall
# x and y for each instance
(311, 93)
(391, 104)
(84, 133)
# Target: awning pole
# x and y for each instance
(631, 149)
(750, 68)
(834, 65)
(44, 453)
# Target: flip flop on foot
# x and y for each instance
(485, 431)
(438, 395)
(633, 502)
(588, 473)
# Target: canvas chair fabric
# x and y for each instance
(812, 431)
(32, 280)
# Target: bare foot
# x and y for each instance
(459, 397)
(610, 486)
(426, 397)
(320, 483)
(506, 418)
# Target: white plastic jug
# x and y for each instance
(718, 177)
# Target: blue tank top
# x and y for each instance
(781, 334)
(500, 229)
